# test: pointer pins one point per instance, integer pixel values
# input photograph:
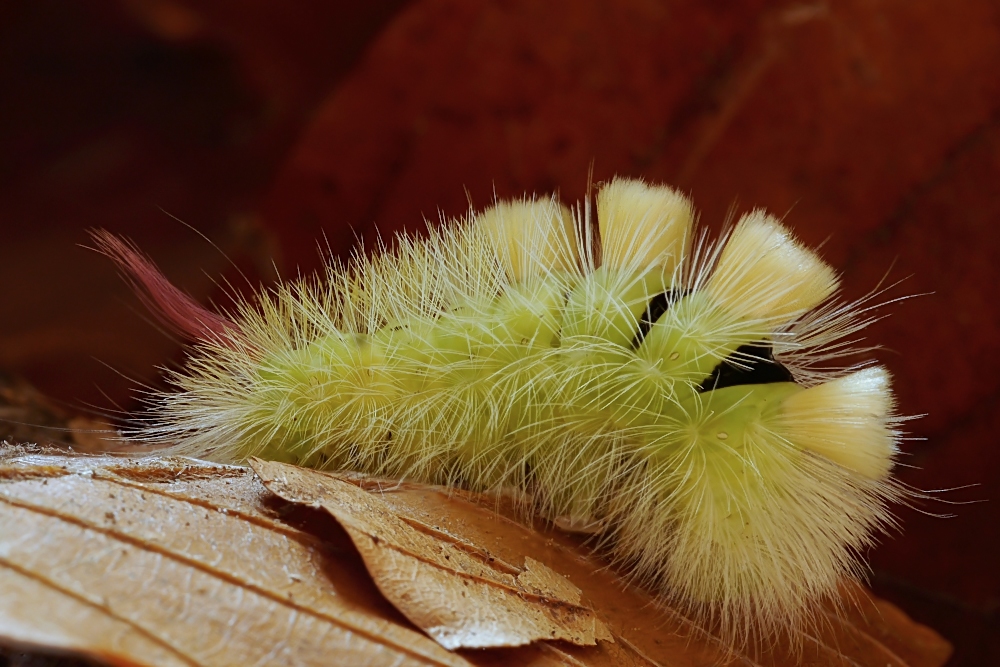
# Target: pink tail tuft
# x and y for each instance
(173, 307)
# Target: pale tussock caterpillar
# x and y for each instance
(683, 395)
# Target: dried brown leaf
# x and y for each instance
(163, 561)
(458, 594)
(867, 631)
(177, 562)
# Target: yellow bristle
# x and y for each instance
(764, 273)
(642, 225)
(847, 420)
(532, 237)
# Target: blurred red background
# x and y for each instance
(872, 125)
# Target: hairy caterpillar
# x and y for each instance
(684, 395)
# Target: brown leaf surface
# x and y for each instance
(176, 562)
(167, 561)
(870, 632)
(456, 592)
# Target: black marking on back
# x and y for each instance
(658, 305)
(749, 364)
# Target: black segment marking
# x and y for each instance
(658, 305)
(757, 365)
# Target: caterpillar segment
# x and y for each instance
(624, 375)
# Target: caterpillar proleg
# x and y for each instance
(681, 394)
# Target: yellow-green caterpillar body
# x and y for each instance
(679, 394)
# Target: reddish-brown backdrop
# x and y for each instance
(872, 125)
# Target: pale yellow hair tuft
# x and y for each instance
(643, 225)
(765, 273)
